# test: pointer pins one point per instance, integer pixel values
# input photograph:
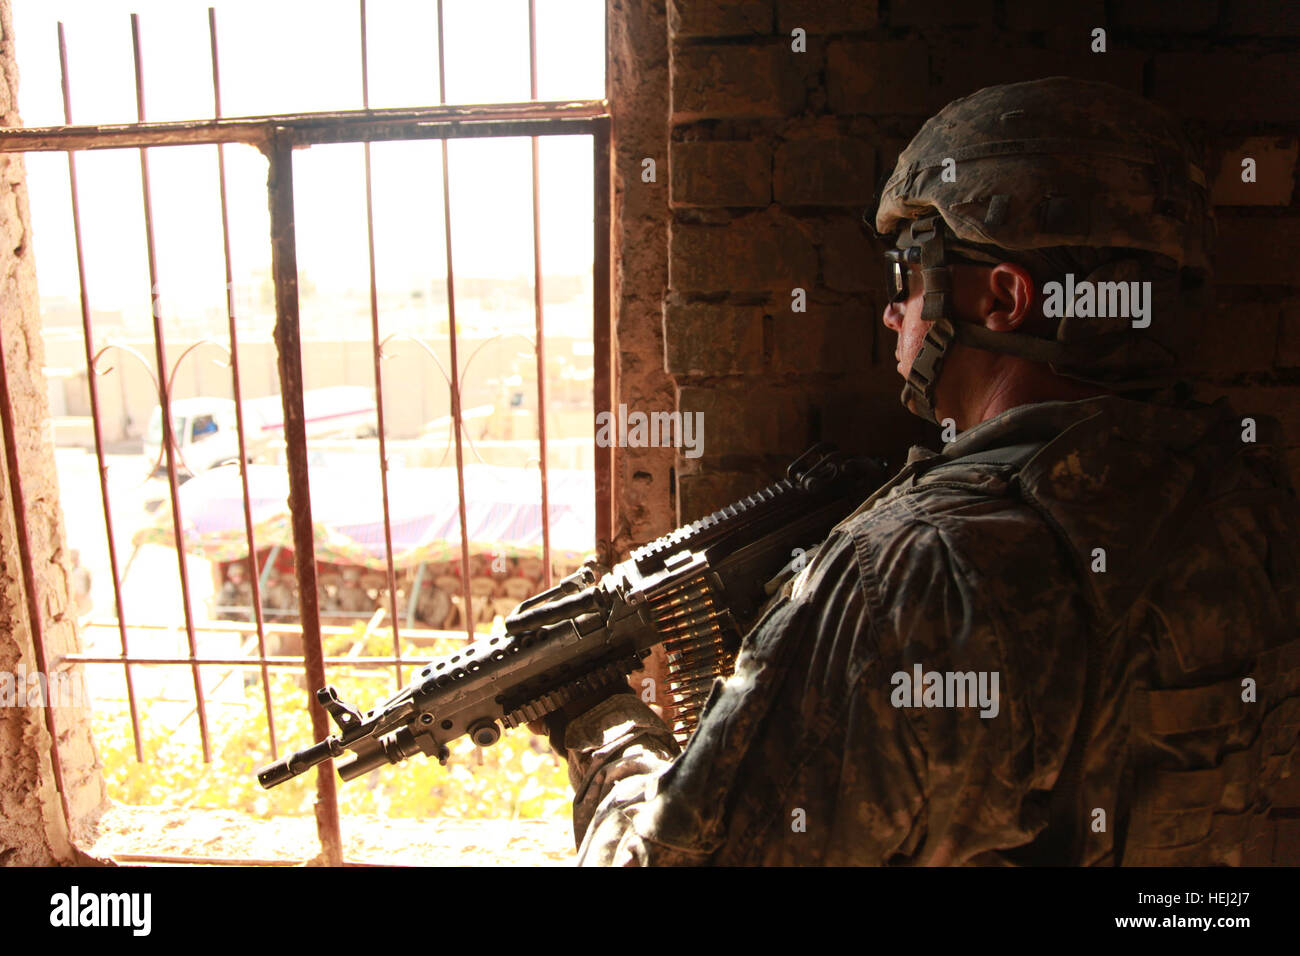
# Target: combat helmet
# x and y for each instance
(1057, 175)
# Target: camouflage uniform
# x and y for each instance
(980, 559)
(1127, 569)
(434, 607)
(236, 601)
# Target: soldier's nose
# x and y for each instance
(893, 316)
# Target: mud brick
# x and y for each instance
(824, 340)
(690, 18)
(702, 338)
(1237, 337)
(877, 78)
(1275, 159)
(826, 16)
(769, 420)
(924, 14)
(960, 72)
(824, 172)
(1288, 341)
(1292, 458)
(1253, 250)
(1227, 86)
(762, 251)
(721, 174)
(851, 260)
(1258, 18)
(723, 81)
(638, 327)
(1156, 16)
(1274, 401)
(1076, 18)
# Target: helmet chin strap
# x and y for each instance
(923, 377)
(1064, 359)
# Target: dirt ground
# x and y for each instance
(139, 835)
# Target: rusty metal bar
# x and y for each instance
(93, 385)
(164, 397)
(19, 505)
(347, 126)
(537, 306)
(238, 627)
(284, 270)
(602, 340)
(377, 356)
(273, 661)
(452, 129)
(456, 421)
(205, 860)
(256, 579)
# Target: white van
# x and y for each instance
(207, 436)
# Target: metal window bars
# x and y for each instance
(276, 136)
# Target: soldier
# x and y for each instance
(1067, 638)
(280, 602)
(434, 608)
(326, 597)
(235, 600)
(352, 597)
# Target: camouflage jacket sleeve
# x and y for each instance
(810, 753)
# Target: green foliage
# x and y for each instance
(518, 776)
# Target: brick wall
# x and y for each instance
(772, 155)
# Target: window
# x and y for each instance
(203, 426)
(374, 308)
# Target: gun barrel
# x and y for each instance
(274, 774)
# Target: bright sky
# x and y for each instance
(281, 56)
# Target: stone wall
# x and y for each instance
(637, 70)
(33, 829)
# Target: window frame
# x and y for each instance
(277, 136)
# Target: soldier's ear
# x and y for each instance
(1008, 298)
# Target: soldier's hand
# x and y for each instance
(553, 725)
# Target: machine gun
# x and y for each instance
(696, 590)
